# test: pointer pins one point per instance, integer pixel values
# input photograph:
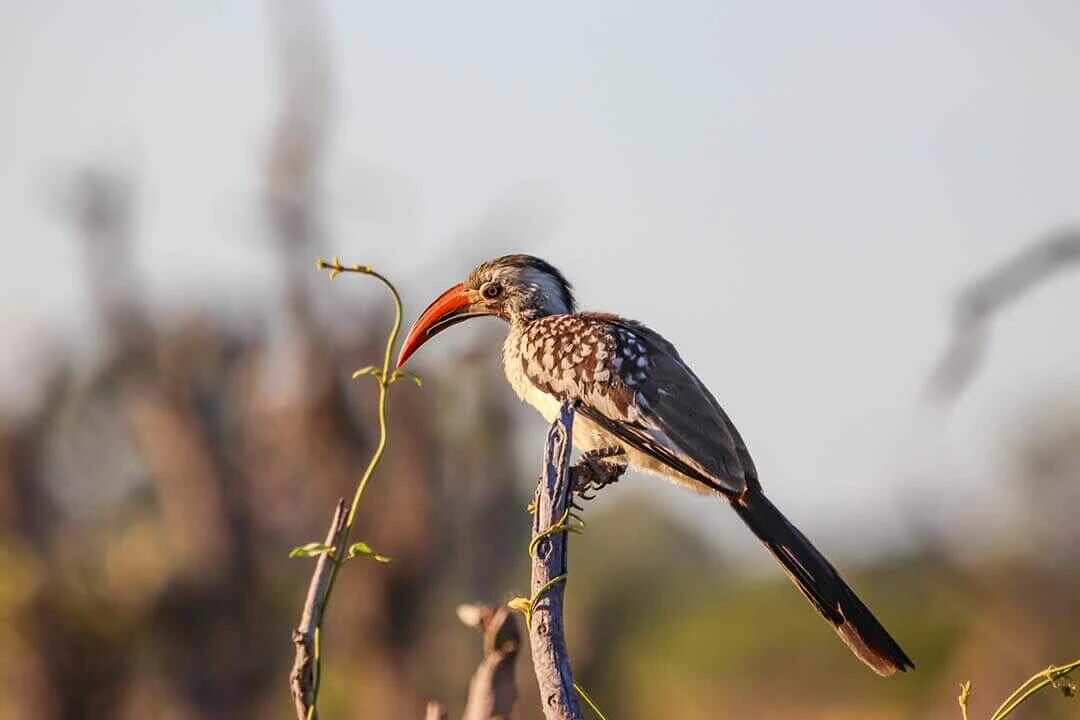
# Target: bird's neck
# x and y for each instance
(520, 320)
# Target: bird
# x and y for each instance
(640, 406)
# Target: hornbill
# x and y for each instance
(640, 405)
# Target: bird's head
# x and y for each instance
(513, 287)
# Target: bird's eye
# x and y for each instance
(491, 291)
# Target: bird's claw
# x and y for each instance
(591, 474)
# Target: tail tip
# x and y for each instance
(888, 665)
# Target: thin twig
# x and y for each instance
(965, 698)
(545, 616)
(1050, 676)
(304, 679)
(589, 701)
(330, 562)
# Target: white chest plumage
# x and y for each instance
(514, 367)
(587, 435)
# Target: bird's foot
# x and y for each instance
(595, 471)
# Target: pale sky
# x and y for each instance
(790, 192)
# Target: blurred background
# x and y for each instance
(850, 217)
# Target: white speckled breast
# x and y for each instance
(514, 367)
(580, 358)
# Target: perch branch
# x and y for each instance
(548, 549)
(303, 679)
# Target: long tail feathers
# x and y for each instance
(822, 585)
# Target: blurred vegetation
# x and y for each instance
(149, 499)
(149, 502)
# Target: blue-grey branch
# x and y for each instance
(550, 658)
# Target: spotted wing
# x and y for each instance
(635, 386)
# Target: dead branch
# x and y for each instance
(549, 541)
(302, 679)
(987, 296)
(435, 711)
(492, 691)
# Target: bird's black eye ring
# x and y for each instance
(491, 290)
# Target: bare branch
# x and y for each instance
(550, 658)
(492, 691)
(435, 711)
(303, 679)
(987, 296)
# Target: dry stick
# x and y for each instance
(550, 658)
(492, 691)
(302, 679)
(308, 654)
(435, 711)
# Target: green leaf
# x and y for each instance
(398, 374)
(367, 370)
(414, 377)
(311, 549)
(520, 604)
(362, 549)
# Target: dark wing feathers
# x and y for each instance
(639, 437)
(666, 412)
(677, 403)
(674, 418)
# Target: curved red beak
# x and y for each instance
(450, 308)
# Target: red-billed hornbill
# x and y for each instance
(639, 404)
